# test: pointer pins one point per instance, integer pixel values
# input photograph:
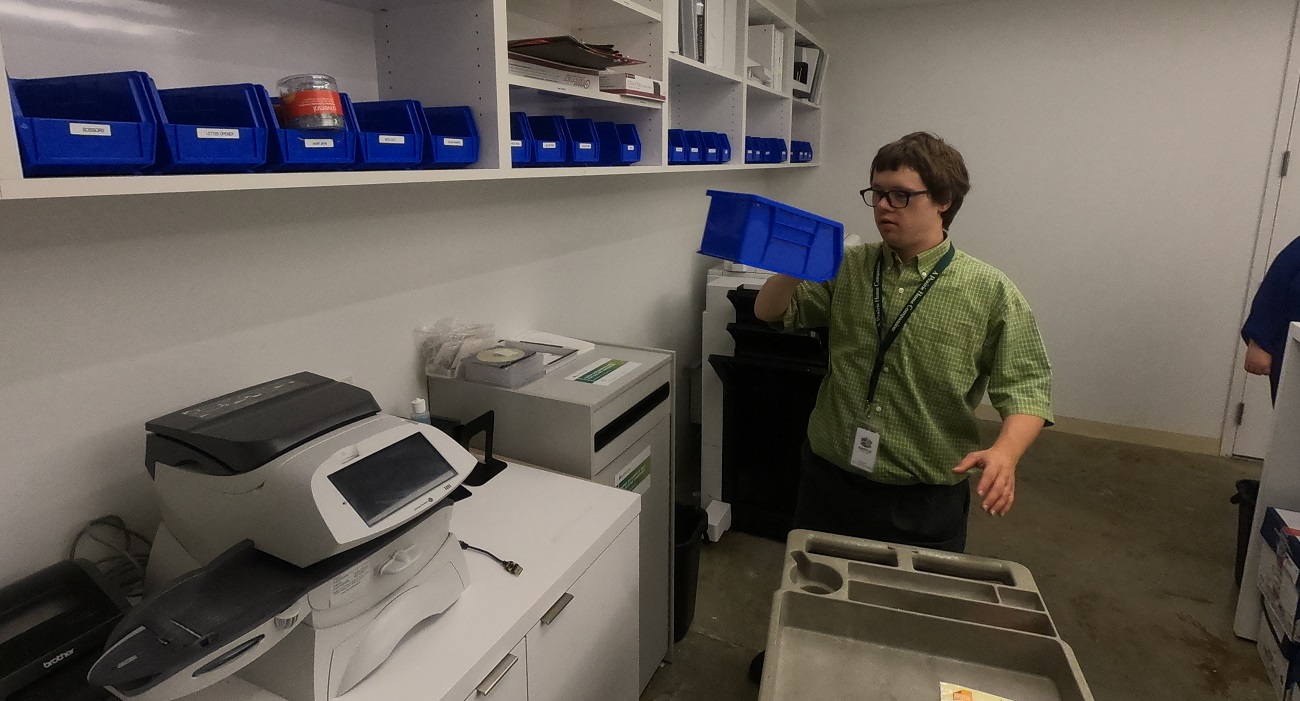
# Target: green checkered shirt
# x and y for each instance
(974, 332)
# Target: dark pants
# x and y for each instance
(834, 500)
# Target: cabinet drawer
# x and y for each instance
(508, 681)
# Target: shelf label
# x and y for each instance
(584, 146)
(231, 134)
(549, 144)
(713, 150)
(694, 150)
(392, 139)
(448, 141)
(516, 143)
(678, 149)
(318, 143)
(631, 147)
(90, 129)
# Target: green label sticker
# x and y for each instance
(636, 476)
(604, 372)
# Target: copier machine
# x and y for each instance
(303, 534)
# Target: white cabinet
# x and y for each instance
(585, 647)
(508, 680)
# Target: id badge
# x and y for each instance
(866, 445)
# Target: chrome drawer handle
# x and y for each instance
(549, 617)
(502, 669)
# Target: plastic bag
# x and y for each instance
(449, 341)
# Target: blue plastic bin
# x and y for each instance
(694, 146)
(677, 147)
(584, 144)
(712, 154)
(773, 236)
(305, 149)
(210, 129)
(452, 139)
(550, 140)
(390, 133)
(804, 149)
(101, 124)
(724, 148)
(780, 150)
(753, 149)
(521, 139)
(619, 143)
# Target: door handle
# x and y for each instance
(496, 675)
(554, 612)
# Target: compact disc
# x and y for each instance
(500, 354)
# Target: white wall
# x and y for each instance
(118, 310)
(1118, 153)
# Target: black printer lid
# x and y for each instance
(246, 429)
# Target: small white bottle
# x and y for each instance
(420, 411)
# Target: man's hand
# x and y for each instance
(1258, 360)
(997, 485)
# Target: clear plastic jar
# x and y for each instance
(310, 101)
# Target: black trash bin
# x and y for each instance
(1245, 498)
(691, 522)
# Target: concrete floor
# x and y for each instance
(1132, 548)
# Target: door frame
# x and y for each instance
(1268, 206)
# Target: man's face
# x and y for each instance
(905, 227)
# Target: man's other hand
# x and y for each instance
(997, 485)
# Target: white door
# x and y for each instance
(1279, 226)
(585, 647)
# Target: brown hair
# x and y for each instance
(940, 166)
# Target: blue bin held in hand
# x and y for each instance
(767, 234)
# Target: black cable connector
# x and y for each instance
(510, 566)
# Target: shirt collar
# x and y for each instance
(924, 261)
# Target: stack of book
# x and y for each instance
(567, 61)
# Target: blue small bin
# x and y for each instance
(694, 146)
(584, 144)
(801, 151)
(712, 154)
(521, 139)
(724, 148)
(677, 147)
(550, 140)
(305, 149)
(452, 139)
(210, 129)
(773, 236)
(753, 149)
(390, 133)
(619, 143)
(101, 124)
(780, 151)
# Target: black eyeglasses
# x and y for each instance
(898, 199)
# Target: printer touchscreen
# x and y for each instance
(389, 479)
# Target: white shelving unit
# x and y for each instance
(441, 52)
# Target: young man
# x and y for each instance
(894, 434)
(919, 331)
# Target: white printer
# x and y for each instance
(304, 534)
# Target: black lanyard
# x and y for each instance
(886, 338)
